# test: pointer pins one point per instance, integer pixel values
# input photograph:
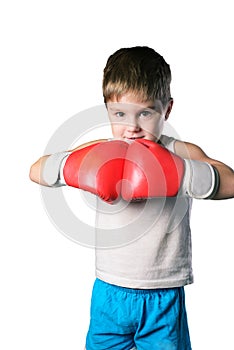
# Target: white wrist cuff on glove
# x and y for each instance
(53, 169)
(201, 180)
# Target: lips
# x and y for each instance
(135, 138)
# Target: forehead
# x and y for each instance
(130, 97)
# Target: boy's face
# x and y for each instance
(132, 119)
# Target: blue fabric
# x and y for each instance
(122, 318)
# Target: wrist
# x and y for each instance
(52, 172)
(201, 180)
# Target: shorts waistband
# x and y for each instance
(135, 290)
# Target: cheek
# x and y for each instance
(160, 126)
(155, 128)
(117, 130)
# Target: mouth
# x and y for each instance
(135, 138)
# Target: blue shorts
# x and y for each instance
(151, 319)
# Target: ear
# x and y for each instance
(169, 108)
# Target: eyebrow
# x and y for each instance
(115, 107)
(151, 107)
(111, 108)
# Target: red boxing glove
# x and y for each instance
(97, 168)
(139, 170)
(151, 171)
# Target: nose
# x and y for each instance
(133, 125)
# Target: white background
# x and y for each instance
(52, 57)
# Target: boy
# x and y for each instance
(138, 297)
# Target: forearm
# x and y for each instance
(226, 177)
(36, 171)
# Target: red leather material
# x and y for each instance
(139, 170)
(151, 171)
(97, 168)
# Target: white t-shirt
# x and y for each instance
(145, 244)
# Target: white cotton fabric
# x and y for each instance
(146, 244)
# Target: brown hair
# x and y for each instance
(139, 70)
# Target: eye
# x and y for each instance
(145, 114)
(119, 114)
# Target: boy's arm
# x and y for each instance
(190, 151)
(36, 169)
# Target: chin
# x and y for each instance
(151, 138)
